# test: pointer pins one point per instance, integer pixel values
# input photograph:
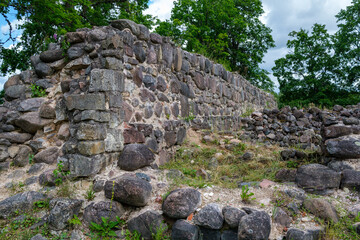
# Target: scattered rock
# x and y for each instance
(95, 211)
(129, 190)
(135, 156)
(19, 202)
(281, 217)
(61, 211)
(210, 216)
(232, 216)
(317, 178)
(322, 209)
(146, 224)
(256, 225)
(184, 230)
(181, 203)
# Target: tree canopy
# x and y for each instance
(228, 31)
(322, 68)
(43, 20)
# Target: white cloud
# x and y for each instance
(2, 82)
(5, 28)
(160, 8)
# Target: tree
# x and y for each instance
(347, 46)
(228, 31)
(43, 20)
(322, 68)
(305, 74)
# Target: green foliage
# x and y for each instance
(160, 233)
(228, 31)
(105, 229)
(59, 173)
(43, 21)
(321, 68)
(248, 112)
(90, 194)
(37, 91)
(41, 204)
(2, 96)
(189, 118)
(31, 158)
(75, 221)
(239, 149)
(246, 194)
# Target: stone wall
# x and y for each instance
(118, 85)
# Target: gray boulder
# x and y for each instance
(61, 211)
(15, 137)
(135, 156)
(351, 179)
(81, 166)
(317, 178)
(184, 230)
(146, 224)
(31, 122)
(232, 216)
(181, 203)
(229, 235)
(51, 55)
(256, 225)
(128, 189)
(297, 234)
(346, 147)
(30, 105)
(95, 211)
(281, 217)
(22, 157)
(322, 209)
(48, 156)
(38, 237)
(121, 24)
(210, 216)
(19, 202)
(14, 92)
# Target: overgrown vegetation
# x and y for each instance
(229, 169)
(37, 91)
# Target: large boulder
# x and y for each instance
(351, 179)
(184, 230)
(256, 225)
(23, 156)
(210, 216)
(317, 178)
(31, 122)
(19, 202)
(81, 166)
(346, 147)
(147, 223)
(297, 234)
(61, 211)
(15, 137)
(48, 156)
(128, 189)
(180, 203)
(95, 211)
(135, 156)
(232, 216)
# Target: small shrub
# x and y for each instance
(160, 233)
(75, 221)
(31, 158)
(59, 173)
(90, 194)
(65, 190)
(105, 229)
(41, 204)
(37, 91)
(189, 118)
(246, 194)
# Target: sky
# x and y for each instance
(282, 16)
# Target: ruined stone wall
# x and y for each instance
(117, 85)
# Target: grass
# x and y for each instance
(231, 168)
